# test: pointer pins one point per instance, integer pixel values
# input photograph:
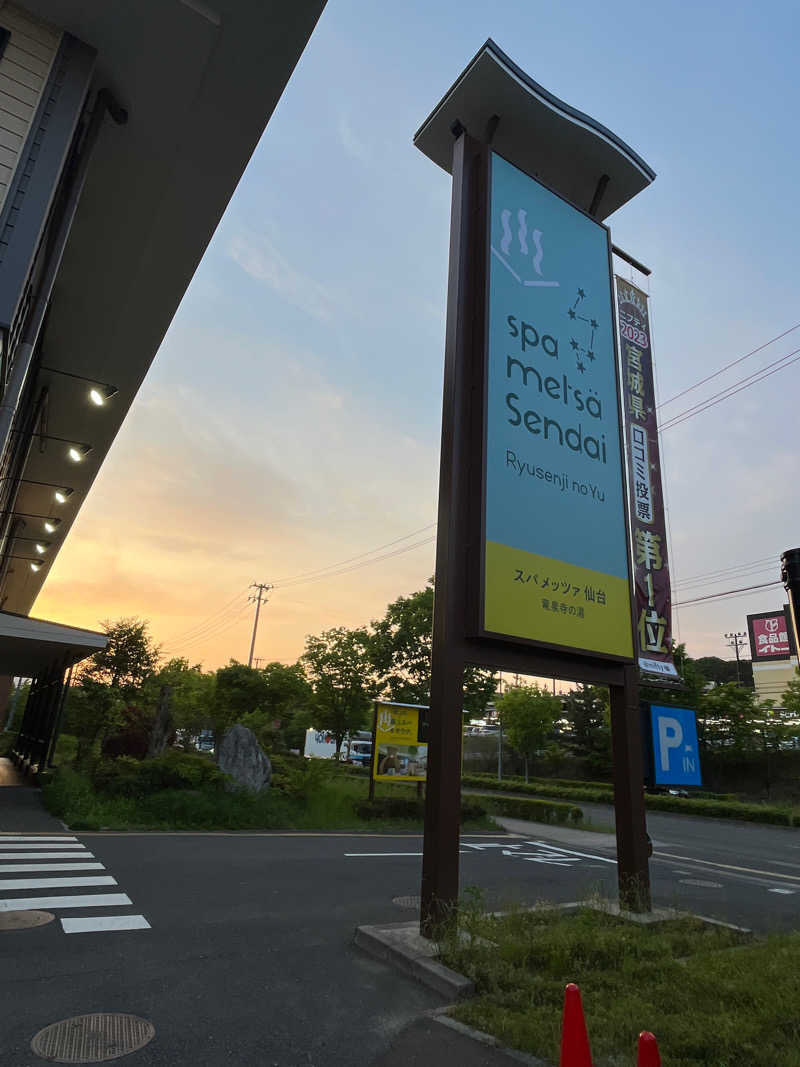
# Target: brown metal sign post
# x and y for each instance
(495, 602)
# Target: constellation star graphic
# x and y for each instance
(585, 351)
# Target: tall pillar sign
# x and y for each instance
(532, 548)
(556, 565)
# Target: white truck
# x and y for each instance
(322, 745)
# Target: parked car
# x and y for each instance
(360, 753)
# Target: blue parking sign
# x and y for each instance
(676, 760)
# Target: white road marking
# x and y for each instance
(727, 866)
(32, 868)
(46, 855)
(104, 922)
(783, 892)
(7, 884)
(41, 844)
(571, 852)
(95, 900)
(351, 854)
(5, 838)
(491, 844)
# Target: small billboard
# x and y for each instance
(676, 759)
(401, 743)
(770, 636)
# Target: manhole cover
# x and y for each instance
(24, 920)
(407, 902)
(92, 1038)
(699, 882)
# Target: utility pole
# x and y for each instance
(258, 660)
(736, 641)
(259, 598)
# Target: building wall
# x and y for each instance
(771, 679)
(24, 68)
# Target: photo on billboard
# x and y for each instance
(556, 569)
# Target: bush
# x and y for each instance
(128, 777)
(534, 810)
(299, 778)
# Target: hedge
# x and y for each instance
(712, 809)
(590, 795)
(549, 811)
(571, 784)
(716, 809)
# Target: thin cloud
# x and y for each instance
(259, 258)
(351, 143)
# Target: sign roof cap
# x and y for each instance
(564, 148)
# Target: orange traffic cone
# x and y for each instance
(575, 1051)
(648, 1051)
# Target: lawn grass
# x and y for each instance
(330, 806)
(714, 997)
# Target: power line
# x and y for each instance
(201, 625)
(728, 366)
(729, 592)
(744, 572)
(360, 555)
(208, 629)
(726, 570)
(726, 394)
(355, 566)
(215, 633)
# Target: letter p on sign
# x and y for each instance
(670, 735)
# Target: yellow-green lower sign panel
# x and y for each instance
(541, 599)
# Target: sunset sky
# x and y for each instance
(291, 420)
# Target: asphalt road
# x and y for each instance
(248, 957)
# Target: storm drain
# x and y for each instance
(699, 882)
(407, 902)
(24, 920)
(92, 1038)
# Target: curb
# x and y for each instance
(441, 1015)
(402, 945)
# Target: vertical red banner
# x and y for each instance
(648, 523)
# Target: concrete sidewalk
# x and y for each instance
(437, 1039)
(21, 807)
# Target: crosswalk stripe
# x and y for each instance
(10, 884)
(46, 855)
(104, 922)
(94, 900)
(4, 838)
(16, 845)
(32, 868)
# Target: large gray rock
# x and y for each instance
(241, 756)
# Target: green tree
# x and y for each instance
(239, 691)
(720, 671)
(128, 659)
(790, 700)
(94, 710)
(730, 719)
(400, 653)
(339, 667)
(528, 714)
(584, 710)
(286, 709)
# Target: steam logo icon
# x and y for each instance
(521, 251)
